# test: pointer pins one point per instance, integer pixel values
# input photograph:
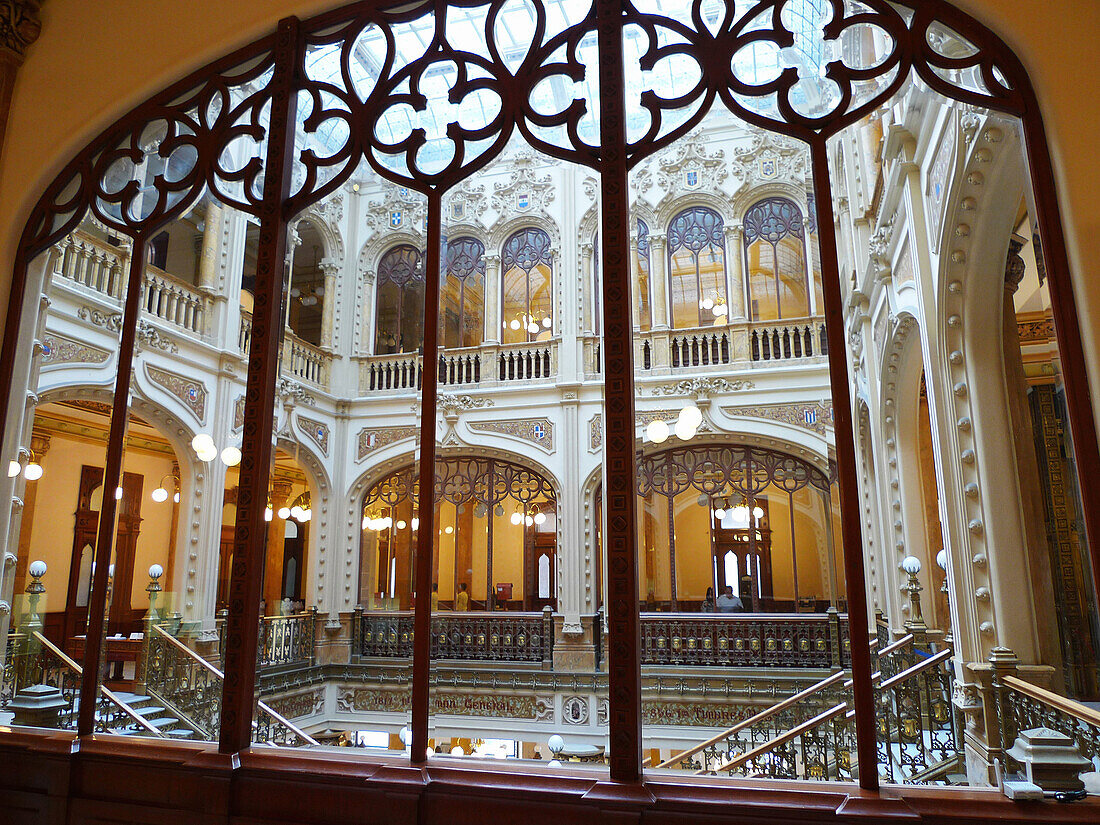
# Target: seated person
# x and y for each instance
(729, 603)
(462, 600)
(708, 602)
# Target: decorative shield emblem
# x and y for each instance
(404, 192)
(768, 168)
(538, 431)
(396, 219)
(523, 201)
(458, 210)
(809, 415)
(691, 178)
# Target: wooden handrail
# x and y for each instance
(262, 705)
(927, 664)
(109, 694)
(1060, 703)
(893, 647)
(761, 715)
(786, 736)
(757, 717)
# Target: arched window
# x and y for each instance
(645, 314)
(776, 252)
(462, 300)
(527, 264)
(697, 267)
(399, 320)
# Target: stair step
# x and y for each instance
(180, 733)
(163, 721)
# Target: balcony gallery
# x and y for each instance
(459, 339)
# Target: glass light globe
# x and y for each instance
(296, 512)
(448, 529)
(366, 522)
(176, 497)
(306, 515)
(231, 456)
(155, 571)
(160, 494)
(707, 303)
(721, 311)
(529, 521)
(14, 468)
(533, 328)
(401, 525)
(268, 515)
(416, 523)
(207, 454)
(719, 513)
(118, 494)
(911, 565)
(37, 569)
(684, 431)
(758, 512)
(517, 518)
(284, 513)
(202, 443)
(546, 322)
(657, 431)
(556, 744)
(33, 471)
(941, 559)
(405, 735)
(691, 416)
(457, 751)
(515, 324)
(540, 518)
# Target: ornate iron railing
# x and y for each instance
(1028, 706)
(192, 687)
(287, 640)
(472, 636)
(916, 720)
(744, 640)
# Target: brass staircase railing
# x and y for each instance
(1025, 706)
(192, 688)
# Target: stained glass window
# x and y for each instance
(399, 320)
(697, 268)
(776, 252)
(527, 264)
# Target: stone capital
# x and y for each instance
(19, 27)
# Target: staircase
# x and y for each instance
(164, 720)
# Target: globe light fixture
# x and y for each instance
(284, 512)
(691, 416)
(684, 431)
(515, 324)
(540, 518)
(533, 328)
(546, 322)
(203, 443)
(457, 751)
(517, 518)
(33, 471)
(14, 468)
(118, 494)
(529, 521)
(231, 456)
(706, 303)
(941, 559)
(416, 523)
(719, 513)
(160, 495)
(556, 745)
(758, 512)
(657, 431)
(37, 569)
(268, 514)
(401, 525)
(448, 529)
(911, 565)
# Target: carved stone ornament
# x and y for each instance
(816, 417)
(57, 349)
(238, 414)
(703, 386)
(539, 431)
(190, 392)
(147, 334)
(574, 710)
(450, 404)
(298, 705)
(398, 207)
(525, 192)
(772, 158)
(316, 431)
(375, 438)
(111, 321)
(466, 203)
(595, 432)
(293, 392)
(19, 25)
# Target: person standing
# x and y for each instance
(462, 600)
(708, 602)
(729, 603)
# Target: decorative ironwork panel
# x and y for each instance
(773, 219)
(748, 640)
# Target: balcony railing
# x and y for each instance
(796, 640)
(715, 347)
(287, 640)
(787, 341)
(100, 267)
(305, 361)
(485, 366)
(473, 636)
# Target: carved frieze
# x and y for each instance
(316, 431)
(57, 349)
(817, 417)
(694, 714)
(298, 705)
(539, 431)
(292, 392)
(595, 432)
(375, 438)
(483, 703)
(703, 386)
(190, 392)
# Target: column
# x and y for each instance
(276, 535)
(635, 280)
(40, 445)
(328, 333)
(586, 320)
(211, 242)
(492, 299)
(735, 275)
(658, 287)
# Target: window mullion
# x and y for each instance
(624, 673)
(250, 535)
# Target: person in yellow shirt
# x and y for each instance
(462, 600)
(435, 598)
